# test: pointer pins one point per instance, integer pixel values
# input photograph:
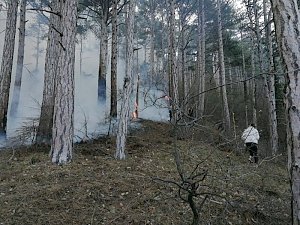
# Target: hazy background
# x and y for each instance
(88, 112)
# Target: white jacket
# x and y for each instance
(250, 135)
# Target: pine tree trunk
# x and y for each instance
(38, 42)
(163, 58)
(216, 70)
(253, 81)
(136, 104)
(173, 87)
(152, 17)
(273, 108)
(20, 60)
(7, 62)
(245, 84)
(63, 124)
(37, 58)
(114, 61)
(127, 86)
(286, 17)
(103, 52)
(226, 114)
(80, 55)
(230, 76)
(253, 84)
(261, 64)
(181, 70)
(239, 74)
(271, 85)
(44, 131)
(102, 65)
(201, 55)
(246, 101)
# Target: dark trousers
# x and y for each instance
(252, 148)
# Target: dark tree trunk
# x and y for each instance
(44, 131)
(226, 114)
(20, 60)
(114, 60)
(7, 62)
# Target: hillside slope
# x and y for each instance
(97, 189)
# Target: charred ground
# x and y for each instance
(97, 189)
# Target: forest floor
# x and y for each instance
(97, 189)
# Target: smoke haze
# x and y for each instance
(91, 118)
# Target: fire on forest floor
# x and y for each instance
(97, 189)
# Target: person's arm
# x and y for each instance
(257, 135)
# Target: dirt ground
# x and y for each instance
(97, 189)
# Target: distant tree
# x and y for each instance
(184, 38)
(201, 55)
(127, 86)
(7, 62)
(100, 15)
(226, 113)
(286, 16)
(269, 81)
(254, 80)
(173, 81)
(63, 120)
(263, 53)
(149, 37)
(20, 60)
(152, 38)
(245, 86)
(36, 29)
(104, 18)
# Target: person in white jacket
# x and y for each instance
(251, 136)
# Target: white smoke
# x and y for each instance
(91, 118)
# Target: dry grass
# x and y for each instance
(96, 189)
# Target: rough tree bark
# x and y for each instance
(127, 86)
(226, 114)
(7, 62)
(114, 61)
(44, 131)
(286, 17)
(20, 60)
(63, 124)
(270, 84)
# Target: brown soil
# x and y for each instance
(97, 189)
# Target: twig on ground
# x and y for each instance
(267, 159)
(13, 155)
